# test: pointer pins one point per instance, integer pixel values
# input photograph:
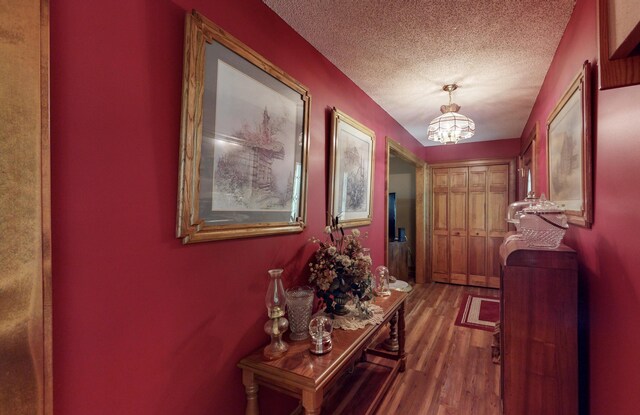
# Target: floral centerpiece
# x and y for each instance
(340, 269)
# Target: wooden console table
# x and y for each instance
(309, 377)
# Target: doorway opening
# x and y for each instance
(405, 250)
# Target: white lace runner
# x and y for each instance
(352, 321)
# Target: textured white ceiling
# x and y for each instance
(402, 52)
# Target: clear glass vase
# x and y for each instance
(299, 307)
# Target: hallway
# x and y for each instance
(449, 368)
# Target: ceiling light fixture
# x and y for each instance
(451, 126)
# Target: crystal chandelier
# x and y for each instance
(451, 126)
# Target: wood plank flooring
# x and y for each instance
(449, 368)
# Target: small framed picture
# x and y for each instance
(351, 181)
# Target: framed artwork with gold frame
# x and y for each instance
(351, 170)
(569, 155)
(243, 141)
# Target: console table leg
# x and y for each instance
(251, 389)
(312, 402)
(391, 344)
(401, 338)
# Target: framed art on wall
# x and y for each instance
(527, 165)
(351, 170)
(244, 141)
(618, 43)
(569, 151)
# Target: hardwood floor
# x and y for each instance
(449, 368)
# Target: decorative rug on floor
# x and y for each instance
(479, 312)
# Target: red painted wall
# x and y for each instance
(496, 149)
(143, 324)
(608, 252)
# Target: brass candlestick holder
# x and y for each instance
(277, 325)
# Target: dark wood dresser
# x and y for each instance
(539, 331)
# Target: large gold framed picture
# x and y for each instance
(244, 141)
(569, 151)
(351, 181)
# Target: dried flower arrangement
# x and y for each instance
(341, 268)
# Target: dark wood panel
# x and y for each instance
(440, 277)
(458, 213)
(493, 257)
(497, 199)
(477, 255)
(539, 332)
(477, 213)
(493, 282)
(365, 381)
(458, 254)
(440, 251)
(440, 221)
(498, 178)
(477, 178)
(399, 259)
(517, 253)
(478, 280)
(458, 179)
(440, 180)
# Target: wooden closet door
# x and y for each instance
(478, 226)
(458, 197)
(440, 240)
(469, 205)
(497, 203)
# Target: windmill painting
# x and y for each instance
(245, 175)
(244, 139)
(254, 145)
